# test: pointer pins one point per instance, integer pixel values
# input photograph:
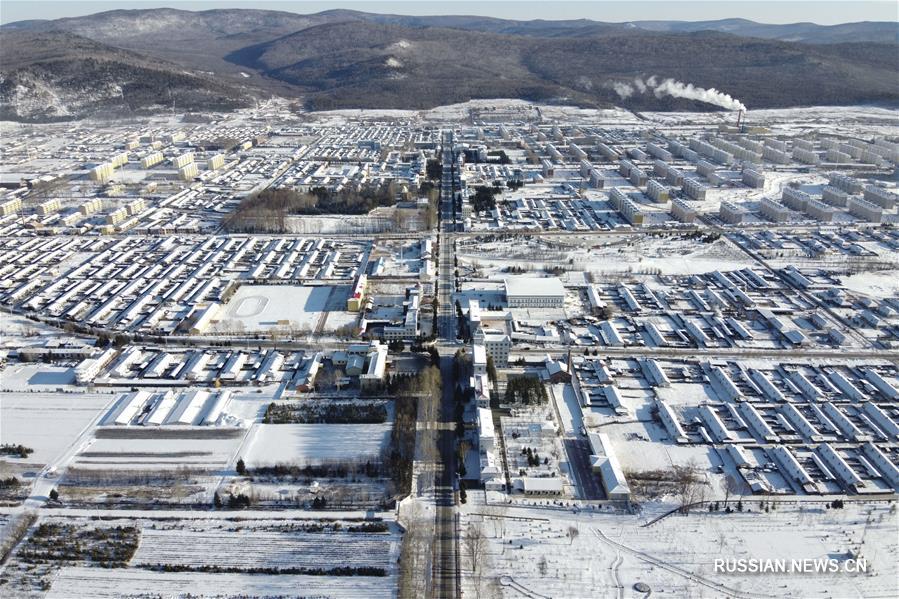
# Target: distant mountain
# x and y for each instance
(358, 64)
(54, 74)
(354, 64)
(881, 32)
(348, 59)
(196, 39)
(534, 28)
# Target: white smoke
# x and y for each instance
(678, 89)
(689, 91)
(624, 90)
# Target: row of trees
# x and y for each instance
(15, 450)
(325, 469)
(401, 451)
(325, 413)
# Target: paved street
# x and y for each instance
(446, 560)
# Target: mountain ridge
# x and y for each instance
(803, 31)
(350, 59)
(51, 75)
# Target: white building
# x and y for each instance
(479, 359)
(682, 211)
(409, 329)
(774, 210)
(658, 192)
(524, 292)
(89, 368)
(496, 344)
(604, 461)
(373, 375)
(865, 210)
(753, 178)
(731, 213)
(486, 432)
(694, 189)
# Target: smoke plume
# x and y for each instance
(677, 89)
(689, 91)
(624, 90)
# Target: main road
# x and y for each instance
(446, 571)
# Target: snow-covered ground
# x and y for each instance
(312, 443)
(247, 547)
(100, 583)
(533, 552)
(876, 284)
(632, 253)
(263, 307)
(48, 422)
(158, 454)
(244, 550)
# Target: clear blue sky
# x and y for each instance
(765, 11)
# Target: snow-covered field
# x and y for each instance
(263, 307)
(311, 443)
(100, 583)
(877, 284)
(632, 253)
(252, 548)
(48, 422)
(609, 553)
(158, 453)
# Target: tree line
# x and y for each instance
(267, 210)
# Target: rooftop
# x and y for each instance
(533, 286)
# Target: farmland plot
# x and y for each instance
(105, 583)
(162, 453)
(249, 548)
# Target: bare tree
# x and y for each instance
(415, 551)
(573, 532)
(689, 485)
(498, 514)
(474, 546)
(732, 486)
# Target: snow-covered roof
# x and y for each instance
(604, 457)
(541, 485)
(485, 423)
(533, 286)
